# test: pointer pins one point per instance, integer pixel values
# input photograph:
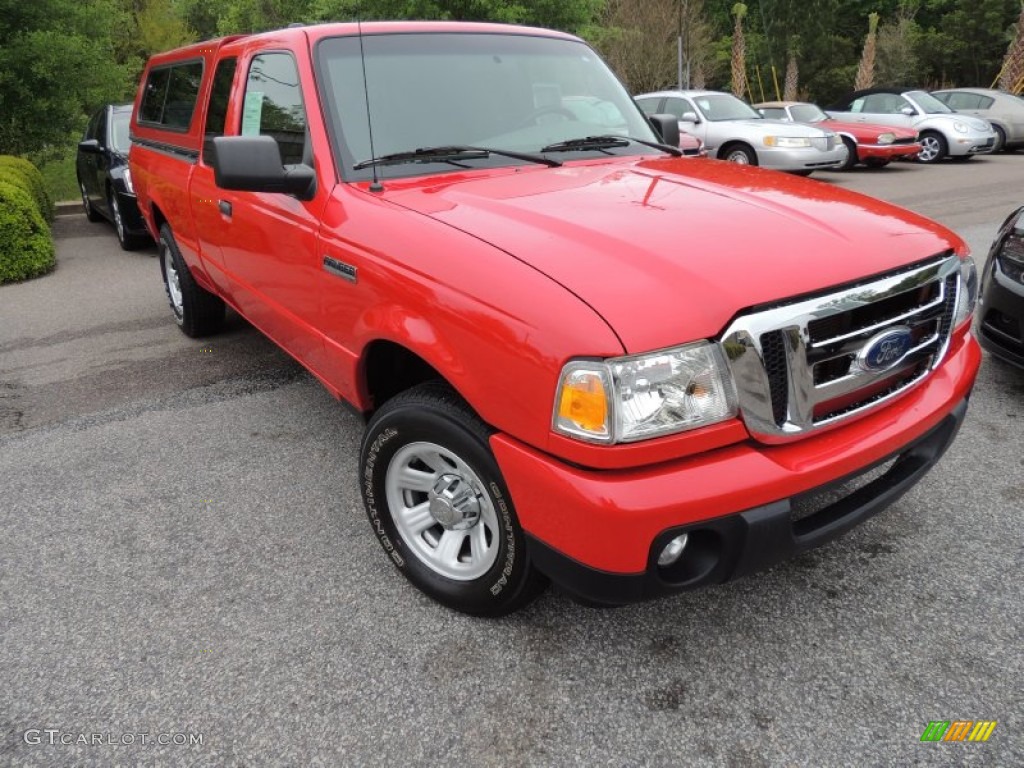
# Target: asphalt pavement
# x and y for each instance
(187, 576)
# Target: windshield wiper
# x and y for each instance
(452, 154)
(608, 142)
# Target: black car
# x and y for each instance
(104, 178)
(1001, 308)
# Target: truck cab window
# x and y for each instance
(217, 109)
(273, 105)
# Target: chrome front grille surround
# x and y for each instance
(824, 143)
(804, 365)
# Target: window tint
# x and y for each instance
(90, 130)
(217, 110)
(171, 93)
(884, 104)
(273, 105)
(774, 113)
(985, 102)
(677, 107)
(649, 106)
(101, 128)
(119, 124)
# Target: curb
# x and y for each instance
(67, 207)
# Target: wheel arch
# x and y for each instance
(387, 368)
(724, 149)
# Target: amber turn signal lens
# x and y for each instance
(584, 402)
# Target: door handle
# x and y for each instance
(225, 207)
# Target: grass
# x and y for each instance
(59, 176)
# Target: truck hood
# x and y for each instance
(669, 250)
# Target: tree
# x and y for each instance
(1011, 76)
(896, 59)
(866, 70)
(792, 78)
(639, 39)
(58, 62)
(739, 53)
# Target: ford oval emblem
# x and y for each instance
(886, 349)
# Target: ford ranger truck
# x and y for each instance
(583, 358)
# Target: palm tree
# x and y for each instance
(866, 70)
(1011, 77)
(739, 53)
(792, 78)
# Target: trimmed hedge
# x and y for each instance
(26, 245)
(30, 179)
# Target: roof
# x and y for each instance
(677, 92)
(316, 32)
(778, 104)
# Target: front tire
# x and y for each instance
(125, 239)
(933, 147)
(740, 154)
(90, 213)
(1000, 139)
(851, 155)
(197, 311)
(437, 502)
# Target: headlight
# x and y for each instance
(786, 142)
(886, 138)
(128, 181)
(960, 127)
(624, 399)
(1010, 254)
(968, 292)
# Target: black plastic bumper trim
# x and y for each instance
(726, 548)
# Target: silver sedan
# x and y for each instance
(732, 130)
(1003, 110)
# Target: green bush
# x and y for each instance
(20, 171)
(26, 245)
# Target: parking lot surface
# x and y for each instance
(184, 554)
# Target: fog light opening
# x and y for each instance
(672, 551)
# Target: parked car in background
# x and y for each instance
(873, 145)
(1003, 110)
(604, 114)
(732, 130)
(1001, 307)
(941, 131)
(104, 178)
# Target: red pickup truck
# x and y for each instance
(583, 358)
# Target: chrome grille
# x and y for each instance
(824, 143)
(802, 365)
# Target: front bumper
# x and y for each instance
(130, 215)
(801, 159)
(598, 533)
(1001, 315)
(972, 144)
(887, 151)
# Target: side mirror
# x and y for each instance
(253, 164)
(690, 117)
(667, 127)
(89, 146)
(909, 111)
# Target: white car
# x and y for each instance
(941, 131)
(732, 130)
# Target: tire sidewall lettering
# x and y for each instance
(370, 494)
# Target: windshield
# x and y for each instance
(119, 130)
(722, 106)
(510, 92)
(807, 113)
(928, 103)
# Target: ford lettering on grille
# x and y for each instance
(886, 349)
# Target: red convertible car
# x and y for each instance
(873, 145)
